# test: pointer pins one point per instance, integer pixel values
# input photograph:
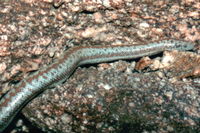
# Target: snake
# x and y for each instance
(63, 67)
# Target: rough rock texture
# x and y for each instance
(114, 98)
(151, 95)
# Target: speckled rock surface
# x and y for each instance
(117, 99)
(163, 96)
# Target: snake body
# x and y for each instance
(61, 69)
